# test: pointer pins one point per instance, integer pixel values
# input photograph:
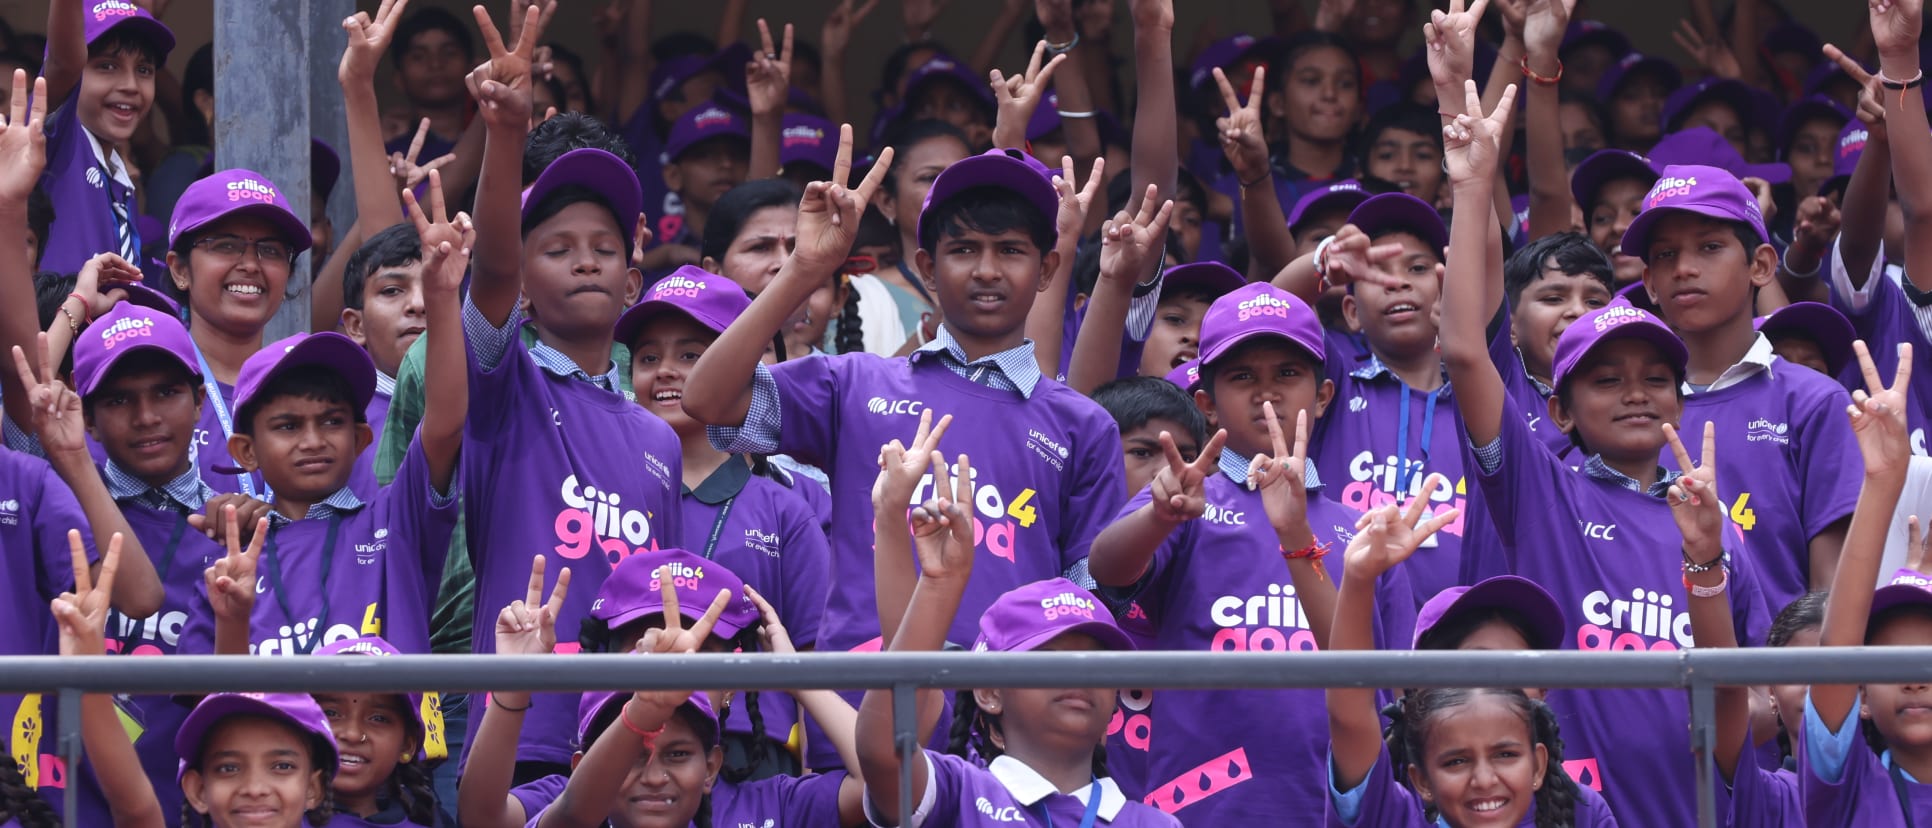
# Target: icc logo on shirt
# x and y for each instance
(881, 405)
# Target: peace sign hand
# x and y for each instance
(1130, 244)
(368, 41)
(1180, 489)
(231, 581)
(1279, 478)
(1019, 95)
(57, 409)
(529, 626)
(1242, 140)
(674, 639)
(501, 85)
(446, 241)
(1387, 536)
(1451, 40)
(1693, 498)
(768, 77)
(942, 529)
(836, 32)
(82, 614)
(1878, 415)
(403, 166)
(900, 468)
(1471, 143)
(828, 215)
(1871, 100)
(1074, 205)
(23, 142)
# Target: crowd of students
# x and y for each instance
(1257, 353)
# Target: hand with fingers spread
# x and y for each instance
(501, 86)
(828, 215)
(1180, 489)
(1132, 245)
(57, 409)
(82, 613)
(772, 636)
(1895, 27)
(1917, 541)
(918, 17)
(1279, 478)
(835, 35)
(1544, 24)
(1072, 217)
(101, 279)
(673, 639)
(23, 140)
(1352, 257)
(1693, 498)
(1242, 139)
(231, 581)
(1018, 95)
(942, 528)
(1817, 223)
(900, 468)
(222, 509)
(404, 166)
(529, 626)
(1878, 416)
(446, 241)
(369, 39)
(1387, 536)
(1471, 144)
(1712, 53)
(1450, 38)
(768, 77)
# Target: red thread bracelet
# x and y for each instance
(649, 736)
(86, 311)
(1539, 79)
(1312, 553)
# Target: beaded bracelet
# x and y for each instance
(1723, 581)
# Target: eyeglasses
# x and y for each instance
(231, 248)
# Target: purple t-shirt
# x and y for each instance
(538, 794)
(562, 468)
(83, 194)
(1360, 445)
(775, 802)
(377, 568)
(1888, 318)
(1866, 795)
(1759, 798)
(36, 510)
(767, 535)
(1786, 464)
(1525, 398)
(209, 448)
(342, 820)
(1611, 558)
(964, 793)
(1218, 584)
(1384, 804)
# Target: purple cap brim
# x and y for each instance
(105, 16)
(1215, 278)
(714, 301)
(236, 192)
(1610, 323)
(293, 709)
(1344, 195)
(1401, 212)
(592, 705)
(1894, 596)
(1711, 192)
(1256, 310)
(327, 349)
(632, 591)
(1008, 169)
(600, 172)
(129, 329)
(1820, 323)
(1509, 592)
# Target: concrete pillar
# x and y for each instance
(262, 113)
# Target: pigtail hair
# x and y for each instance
(320, 815)
(190, 818)
(20, 802)
(1556, 800)
(594, 635)
(850, 336)
(703, 817)
(417, 793)
(1100, 762)
(1396, 736)
(971, 735)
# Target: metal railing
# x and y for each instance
(1699, 672)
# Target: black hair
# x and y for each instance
(1805, 612)
(1282, 63)
(141, 362)
(19, 802)
(736, 207)
(50, 292)
(124, 40)
(394, 246)
(1209, 372)
(896, 62)
(1412, 719)
(560, 53)
(1121, 191)
(1566, 396)
(1407, 116)
(1135, 401)
(571, 131)
(757, 749)
(13, 54)
(974, 729)
(710, 736)
(1743, 112)
(1086, 268)
(1590, 105)
(913, 133)
(308, 382)
(428, 19)
(318, 816)
(565, 196)
(1449, 633)
(1568, 252)
(416, 792)
(987, 209)
(199, 76)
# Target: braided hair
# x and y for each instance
(850, 329)
(19, 802)
(416, 792)
(974, 729)
(758, 747)
(1412, 718)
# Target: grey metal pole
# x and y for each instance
(70, 754)
(1703, 741)
(261, 121)
(905, 732)
(326, 121)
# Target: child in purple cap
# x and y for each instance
(383, 739)
(706, 155)
(1609, 188)
(1843, 778)
(102, 57)
(1170, 551)
(1043, 765)
(1597, 538)
(1704, 244)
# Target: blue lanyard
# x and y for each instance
(1402, 439)
(1087, 819)
(220, 404)
(1898, 787)
(272, 561)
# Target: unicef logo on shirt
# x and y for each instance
(881, 405)
(10, 512)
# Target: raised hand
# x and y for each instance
(369, 39)
(1352, 257)
(403, 166)
(768, 77)
(771, 630)
(501, 85)
(1693, 498)
(1896, 25)
(1242, 140)
(529, 626)
(231, 581)
(1019, 95)
(1387, 536)
(1074, 205)
(918, 17)
(446, 241)
(1151, 14)
(1514, 15)
(23, 142)
(1871, 102)
(1279, 477)
(1131, 245)
(520, 20)
(1712, 53)
(1916, 543)
(836, 33)
(942, 528)
(828, 215)
(82, 614)
(900, 467)
(57, 409)
(1471, 144)
(674, 639)
(641, 237)
(98, 282)
(1818, 220)
(1544, 23)
(1451, 40)
(1180, 489)
(1878, 415)
(235, 507)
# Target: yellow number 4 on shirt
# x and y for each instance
(1742, 514)
(1018, 509)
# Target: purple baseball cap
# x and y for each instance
(1031, 615)
(1222, 54)
(103, 16)
(1809, 108)
(1630, 65)
(808, 139)
(328, 349)
(1214, 277)
(1006, 169)
(1612, 322)
(1701, 145)
(1818, 322)
(1509, 592)
(147, 297)
(1851, 145)
(1792, 36)
(595, 705)
(1586, 32)
(232, 193)
(729, 62)
(712, 300)
(296, 710)
(1604, 166)
(600, 172)
(1186, 375)
(1690, 188)
(1346, 194)
(1911, 577)
(126, 329)
(1391, 212)
(1894, 596)
(943, 68)
(376, 645)
(632, 591)
(1255, 310)
(1682, 101)
(703, 123)
(1045, 119)
(1635, 295)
